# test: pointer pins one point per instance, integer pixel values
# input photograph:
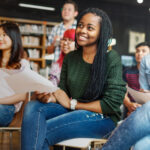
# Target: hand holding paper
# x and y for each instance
(139, 97)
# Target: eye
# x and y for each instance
(80, 25)
(90, 28)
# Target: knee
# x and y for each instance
(31, 107)
(7, 109)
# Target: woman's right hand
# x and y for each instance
(45, 97)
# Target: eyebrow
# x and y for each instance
(88, 24)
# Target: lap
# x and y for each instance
(78, 123)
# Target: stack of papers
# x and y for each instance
(23, 81)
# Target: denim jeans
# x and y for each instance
(135, 130)
(47, 124)
(6, 114)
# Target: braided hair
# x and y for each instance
(97, 77)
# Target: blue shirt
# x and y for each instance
(144, 77)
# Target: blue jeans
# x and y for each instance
(47, 124)
(6, 114)
(135, 130)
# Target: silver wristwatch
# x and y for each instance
(73, 104)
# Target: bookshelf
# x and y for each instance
(34, 36)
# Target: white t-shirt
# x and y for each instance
(24, 64)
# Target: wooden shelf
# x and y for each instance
(35, 31)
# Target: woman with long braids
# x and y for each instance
(91, 90)
(11, 51)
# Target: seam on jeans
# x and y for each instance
(64, 125)
(37, 131)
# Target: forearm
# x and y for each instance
(13, 99)
(50, 49)
(91, 106)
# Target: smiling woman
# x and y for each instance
(91, 90)
(10, 58)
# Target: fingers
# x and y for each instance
(43, 97)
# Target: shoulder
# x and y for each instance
(56, 27)
(24, 63)
(112, 57)
(146, 59)
(73, 54)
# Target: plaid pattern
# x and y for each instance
(58, 30)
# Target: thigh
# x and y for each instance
(48, 110)
(6, 114)
(79, 123)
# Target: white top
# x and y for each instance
(24, 63)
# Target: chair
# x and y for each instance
(83, 143)
(15, 125)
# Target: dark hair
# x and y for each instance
(12, 30)
(73, 3)
(97, 78)
(142, 44)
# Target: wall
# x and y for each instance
(124, 18)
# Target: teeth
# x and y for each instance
(82, 37)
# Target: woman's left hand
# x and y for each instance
(62, 98)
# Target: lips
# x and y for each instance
(82, 37)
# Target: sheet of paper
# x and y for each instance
(24, 81)
(139, 97)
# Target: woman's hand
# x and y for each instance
(62, 98)
(45, 97)
(132, 106)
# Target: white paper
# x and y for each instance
(22, 81)
(139, 97)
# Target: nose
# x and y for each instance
(83, 30)
(1, 37)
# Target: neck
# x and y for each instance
(5, 57)
(89, 54)
(138, 66)
(68, 23)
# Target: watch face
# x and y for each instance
(73, 104)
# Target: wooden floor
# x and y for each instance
(10, 143)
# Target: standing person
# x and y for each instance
(91, 90)
(69, 12)
(67, 45)
(131, 77)
(11, 51)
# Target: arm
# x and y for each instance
(64, 100)
(52, 41)
(131, 106)
(142, 76)
(13, 99)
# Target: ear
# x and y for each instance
(75, 13)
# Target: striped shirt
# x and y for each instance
(58, 30)
(131, 77)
